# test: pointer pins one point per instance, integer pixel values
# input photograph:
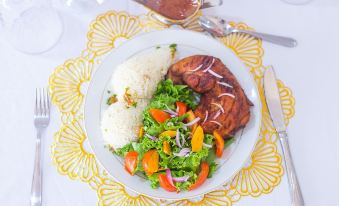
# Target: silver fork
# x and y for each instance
(41, 121)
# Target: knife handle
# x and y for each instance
(281, 40)
(296, 195)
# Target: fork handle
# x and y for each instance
(36, 190)
(296, 195)
(280, 40)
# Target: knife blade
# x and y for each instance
(273, 99)
(277, 116)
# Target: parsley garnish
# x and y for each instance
(112, 99)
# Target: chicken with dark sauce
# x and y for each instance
(224, 106)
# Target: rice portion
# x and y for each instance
(120, 125)
(140, 74)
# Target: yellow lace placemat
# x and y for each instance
(68, 85)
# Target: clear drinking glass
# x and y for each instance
(81, 5)
(31, 26)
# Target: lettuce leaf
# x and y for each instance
(154, 180)
(184, 185)
(123, 151)
(165, 97)
(208, 139)
(192, 162)
(212, 169)
(167, 91)
(229, 141)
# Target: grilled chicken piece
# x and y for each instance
(208, 76)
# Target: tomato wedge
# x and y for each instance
(219, 142)
(201, 177)
(159, 115)
(182, 108)
(131, 161)
(150, 162)
(164, 183)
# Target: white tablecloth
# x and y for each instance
(310, 70)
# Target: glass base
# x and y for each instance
(36, 30)
(82, 5)
(297, 2)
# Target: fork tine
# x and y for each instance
(41, 107)
(36, 102)
(39, 102)
(38, 99)
(42, 102)
(46, 102)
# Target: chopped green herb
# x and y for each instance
(157, 47)
(112, 99)
(173, 48)
(128, 98)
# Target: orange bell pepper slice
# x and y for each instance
(141, 132)
(201, 177)
(168, 133)
(131, 161)
(191, 117)
(220, 143)
(150, 162)
(159, 115)
(197, 139)
(166, 147)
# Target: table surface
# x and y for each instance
(309, 70)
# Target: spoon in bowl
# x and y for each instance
(219, 27)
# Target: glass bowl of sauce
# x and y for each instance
(176, 11)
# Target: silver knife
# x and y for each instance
(274, 107)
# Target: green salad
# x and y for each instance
(172, 150)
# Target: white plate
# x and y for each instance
(189, 43)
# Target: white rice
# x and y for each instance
(140, 74)
(120, 125)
